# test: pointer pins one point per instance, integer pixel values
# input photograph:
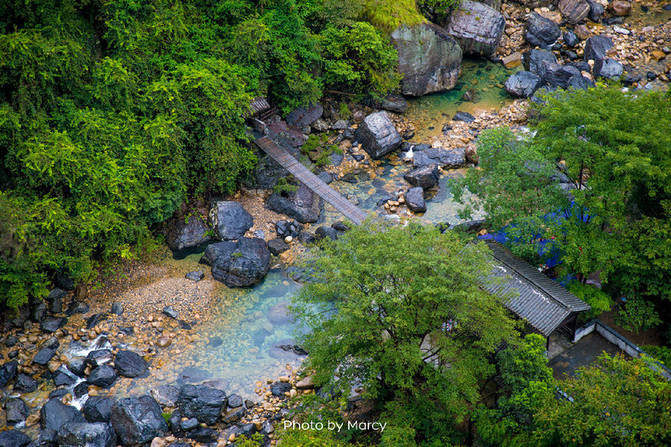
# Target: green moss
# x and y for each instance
(388, 15)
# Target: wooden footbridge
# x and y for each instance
(271, 144)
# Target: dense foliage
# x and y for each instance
(113, 113)
(400, 313)
(612, 214)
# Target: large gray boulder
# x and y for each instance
(608, 68)
(449, 159)
(230, 220)
(239, 264)
(301, 204)
(138, 420)
(202, 402)
(424, 176)
(378, 135)
(188, 232)
(574, 11)
(86, 434)
(523, 84)
(541, 32)
(54, 414)
(428, 58)
(596, 48)
(477, 27)
(414, 200)
(535, 60)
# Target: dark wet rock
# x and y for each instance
(201, 402)
(38, 312)
(448, 159)
(336, 158)
(11, 341)
(63, 378)
(301, 204)
(16, 410)
(393, 103)
(193, 375)
(596, 10)
(246, 430)
(52, 324)
(234, 401)
(166, 395)
(54, 414)
(596, 48)
(293, 349)
(463, 116)
(541, 32)
(85, 434)
(8, 372)
(203, 435)
(279, 388)
(52, 343)
(138, 420)
(130, 364)
(25, 383)
(116, 309)
(414, 200)
(14, 438)
(285, 228)
(608, 68)
(96, 319)
(424, 176)
(195, 276)
(55, 300)
(81, 390)
(429, 59)
(174, 422)
(477, 27)
(77, 307)
(279, 314)
(277, 246)
(326, 233)
(580, 83)
(570, 39)
(358, 157)
(377, 135)
(267, 428)
(234, 415)
(77, 365)
(523, 84)
(306, 238)
(305, 116)
(98, 409)
(47, 438)
(230, 220)
(242, 264)
(58, 393)
(340, 226)
(169, 312)
(188, 232)
(557, 75)
(99, 357)
(65, 282)
(574, 11)
(43, 356)
(103, 376)
(189, 424)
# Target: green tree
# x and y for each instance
(401, 313)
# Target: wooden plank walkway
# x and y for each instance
(303, 175)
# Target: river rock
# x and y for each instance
(130, 364)
(201, 402)
(234, 401)
(477, 27)
(188, 232)
(523, 84)
(301, 204)
(285, 228)
(305, 116)
(138, 420)
(428, 58)
(242, 264)
(54, 414)
(16, 410)
(166, 395)
(8, 372)
(43, 356)
(14, 438)
(580, 83)
(62, 377)
(414, 200)
(463, 116)
(447, 159)
(55, 300)
(85, 434)
(193, 375)
(230, 220)
(596, 48)
(77, 366)
(279, 388)
(52, 324)
(620, 8)
(324, 232)
(377, 135)
(574, 11)
(608, 68)
(103, 376)
(99, 357)
(393, 103)
(570, 39)
(98, 409)
(25, 383)
(203, 435)
(557, 75)
(195, 276)
(277, 246)
(541, 32)
(424, 176)
(234, 415)
(596, 10)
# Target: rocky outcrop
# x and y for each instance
(301, 204)
(238, 264)
(188, 232)
(137, 420)
(541, 32)
(378, 135)
(523, 84)
(477, 27)
(230, 220)
(428, 58)
(574, 11)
